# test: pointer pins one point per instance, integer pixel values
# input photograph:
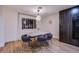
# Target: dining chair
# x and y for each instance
(42, 40)
(49, 37)
(26, 39)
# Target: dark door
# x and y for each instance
(64, 26)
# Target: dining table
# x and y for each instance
(34, 35)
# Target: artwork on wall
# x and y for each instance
(28, 23)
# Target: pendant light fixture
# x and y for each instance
(38, 17)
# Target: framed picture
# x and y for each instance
(28, 23)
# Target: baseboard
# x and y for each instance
(12, 40)
(56, 38)
(9, 41)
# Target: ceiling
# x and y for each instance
(45, 11)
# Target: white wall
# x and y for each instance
(53, 27)
(11, 17)
(2, 41)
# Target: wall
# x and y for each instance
(2, 41)
(11, 17)
(51, 24)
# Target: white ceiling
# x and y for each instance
(45, 11)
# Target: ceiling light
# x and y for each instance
(38, 17)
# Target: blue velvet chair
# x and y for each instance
(26, 38)
(49, 37)
(42, 40)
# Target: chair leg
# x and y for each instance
(50, 42)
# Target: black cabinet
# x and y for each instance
(69, 26)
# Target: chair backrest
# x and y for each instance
(49, 35)
(26, 38)
(41, 38)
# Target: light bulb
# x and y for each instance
(38, 18)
